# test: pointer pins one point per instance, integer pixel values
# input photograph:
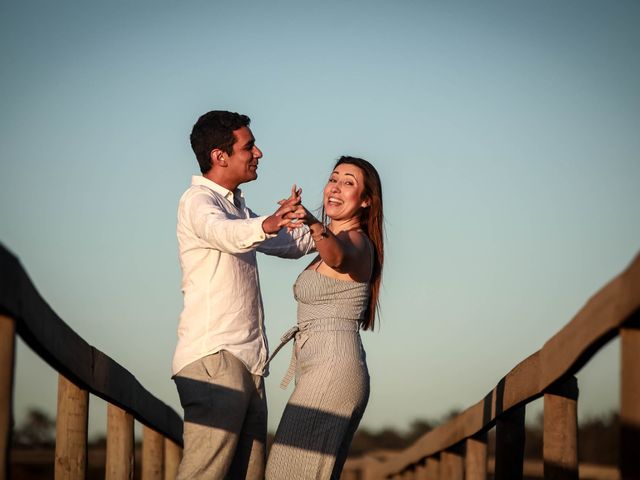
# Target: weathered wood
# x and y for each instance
(152, 455)
(69, 354)
(564, 354)
(510, 444)
(408, 474)
(172, 457)
(451, 466)
(420, 472)
(7, 356)
(71, 431)
(560, 445)
(120, 444)
(630, 401)
(364, 468)
(433, 468)
(476, 458)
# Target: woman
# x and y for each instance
(337, 294)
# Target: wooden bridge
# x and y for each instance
(456, 450)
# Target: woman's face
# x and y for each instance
(343, 193)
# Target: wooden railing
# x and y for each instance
(83, 370)
(457, 450)
(454, 451)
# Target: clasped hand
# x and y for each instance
(290, 213)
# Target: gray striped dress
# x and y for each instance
(332, 380)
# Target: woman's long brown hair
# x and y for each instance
(372, 222)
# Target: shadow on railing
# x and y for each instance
(82, 370)
(457, 450)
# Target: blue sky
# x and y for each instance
(506, 135)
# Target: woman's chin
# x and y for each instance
(331, 211)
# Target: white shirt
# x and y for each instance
(220, 285)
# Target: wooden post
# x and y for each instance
(630, 401)
(451, 465)
(172, 457)
(510, 445)
(120, 444)
(433, 468)
(7, 352)
(71, 431)
(407, 474)
(152, 454)
(369, 468)
(476, 458)
(421, 471)
(560, 445)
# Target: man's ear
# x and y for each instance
(218, 158)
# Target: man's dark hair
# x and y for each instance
(215, 130)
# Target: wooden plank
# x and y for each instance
(152, 454)
(451, 465)
(120, 444)
(7, 357)
(172, 457)
(510, 445)
(560, 445)
(630, 401)
(71, 431)
(476, 458)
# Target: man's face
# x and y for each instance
(242, 164)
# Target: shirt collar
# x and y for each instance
(205, 182)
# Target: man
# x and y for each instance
(222, 347)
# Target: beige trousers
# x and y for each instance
(225, 419)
